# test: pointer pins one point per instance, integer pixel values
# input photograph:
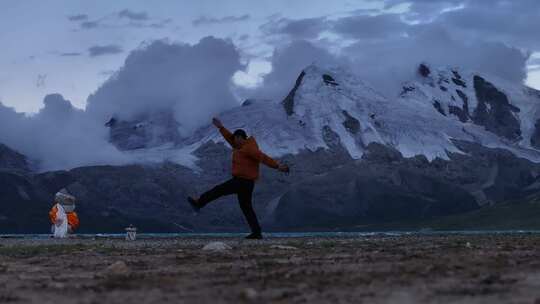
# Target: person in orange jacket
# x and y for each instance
(67, 201)
(245, 171)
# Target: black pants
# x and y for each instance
(243, 188)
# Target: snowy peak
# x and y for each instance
(329, 104)
(471, 98)
(325, 81)
(325, 109)
(331, 108)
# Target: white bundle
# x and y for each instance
(66, 200)
(60, 231)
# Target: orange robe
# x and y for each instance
(73, 219)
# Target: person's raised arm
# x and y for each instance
(224, 132)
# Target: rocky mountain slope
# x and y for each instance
(451, 142)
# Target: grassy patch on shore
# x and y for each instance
(25, 251)
(34, 250)
(514, 215)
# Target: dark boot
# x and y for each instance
(194, 204)
(254, 236)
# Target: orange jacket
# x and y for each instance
(73, 219)
(246, 159)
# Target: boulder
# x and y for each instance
(216, 246)
(117, 269)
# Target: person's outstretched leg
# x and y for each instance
(227, 188)
(245, 192)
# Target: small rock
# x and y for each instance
(491, 279)
(249, 294)
(216, 246)
(283, 247)
(302, 286)
(57, 285)
(117, 269)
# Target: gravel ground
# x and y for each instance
(378, 269)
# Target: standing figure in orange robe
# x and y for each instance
(67, 201)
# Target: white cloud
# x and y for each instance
(253, 76)
(194, 81)
(59, 136)
(287, 63)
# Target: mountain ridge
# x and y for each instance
(357, 158)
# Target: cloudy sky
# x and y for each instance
(73, 47)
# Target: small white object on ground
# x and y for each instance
(468, 245)
(131, 233)
(283, 247)
(216, 246)
(117, 269)
(249, 294)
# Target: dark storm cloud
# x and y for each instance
(366, 11)
(70, 54)
(203, 20)
(101, 50)
(125, 19)
(79, 17)
(358, 26)
(387, 63)
(41, 79)
(512, 22)
(134, 16)
(161, 23)
(386, 48)
(371, 27)
(308, 28)
(90, 24)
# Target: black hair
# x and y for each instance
(240, 133)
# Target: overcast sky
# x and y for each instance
(72, 47)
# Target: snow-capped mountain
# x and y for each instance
(332, 108)
(346, 145)
(506, 110)
(318, 113)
